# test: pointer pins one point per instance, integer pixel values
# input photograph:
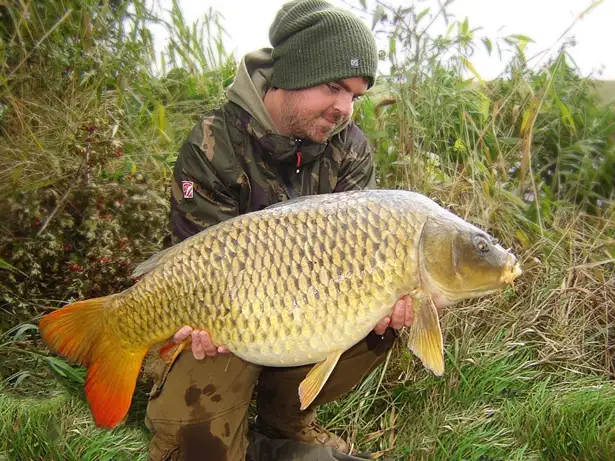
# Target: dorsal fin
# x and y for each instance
(316, 199)
(152, 262)
(157, 258)
(289, 202)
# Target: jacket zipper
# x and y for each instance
(298, 141)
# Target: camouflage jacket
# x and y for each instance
(234, 161)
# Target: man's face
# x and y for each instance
(316, 112)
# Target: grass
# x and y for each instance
(606, 90)
(495, 402)
(44, 413)
(500, 406)
(85, 162)
(58, 428)
(568, 422)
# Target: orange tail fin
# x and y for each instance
(78, 332)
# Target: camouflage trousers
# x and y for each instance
(198, 410)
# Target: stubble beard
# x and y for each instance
(306, 126)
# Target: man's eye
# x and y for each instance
(332, 88)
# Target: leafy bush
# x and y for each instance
(88, 247)
(89, 136)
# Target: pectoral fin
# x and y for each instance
(311, 386)
(426, 337)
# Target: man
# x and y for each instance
(286, 131)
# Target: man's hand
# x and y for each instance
(202, 345)
(402, 316)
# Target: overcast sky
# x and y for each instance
(247, 23)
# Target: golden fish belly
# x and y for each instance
(284, 287)
(305, 340)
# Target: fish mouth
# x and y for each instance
(511, 271)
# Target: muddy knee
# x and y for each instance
(200, 410)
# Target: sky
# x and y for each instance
(247, 24)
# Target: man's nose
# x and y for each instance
(344, 105)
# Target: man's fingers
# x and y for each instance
(182, 334)
(409, 317)
(382, 326)
(208, 346)
(202, 345)
(398, 316)
(197, 346)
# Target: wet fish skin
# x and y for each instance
(297, 283)
(282, 286)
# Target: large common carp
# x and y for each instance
(299, 282)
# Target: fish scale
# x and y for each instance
(296, 283)
(259, 284)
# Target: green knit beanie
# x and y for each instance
(315, 42)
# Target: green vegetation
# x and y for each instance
(59, 428)
(88, 136)
(606, 90)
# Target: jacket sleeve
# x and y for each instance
(357, 170)
(201, 193)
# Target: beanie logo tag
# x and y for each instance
(354, 63)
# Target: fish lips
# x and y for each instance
(444, 297)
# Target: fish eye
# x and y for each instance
(482, 244)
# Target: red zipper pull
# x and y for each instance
(298, 160)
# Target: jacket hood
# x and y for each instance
(252, 79)
(250, 84)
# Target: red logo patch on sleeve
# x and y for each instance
(188, 189)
